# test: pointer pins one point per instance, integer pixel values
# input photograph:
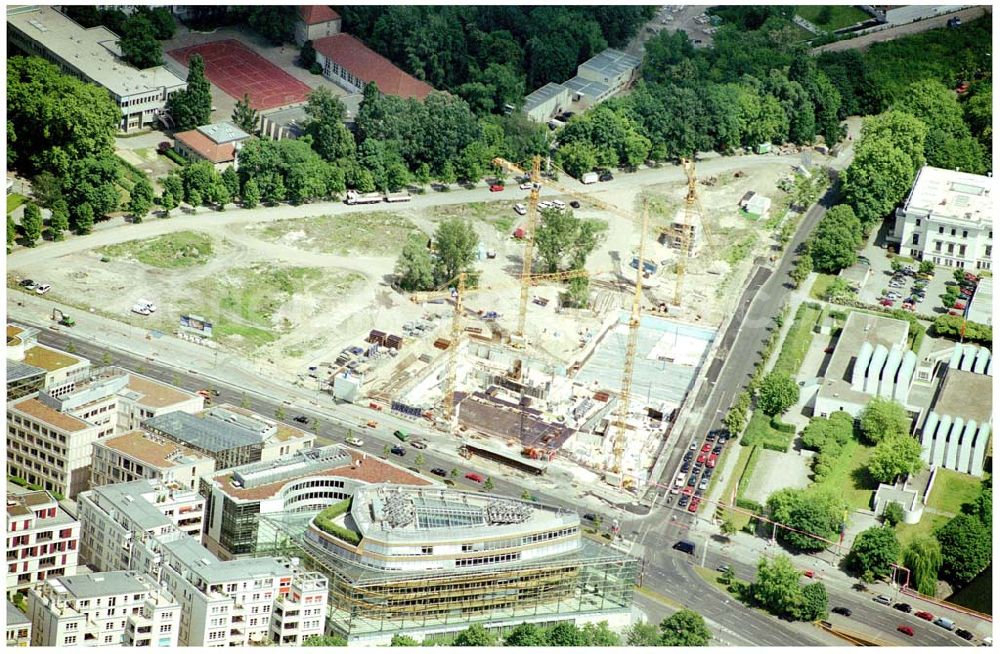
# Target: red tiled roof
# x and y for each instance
(315, 14)
(207, 148)
(370, 66)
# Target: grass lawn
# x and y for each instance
(952, 490)
(178, 250)
(819, 288)
(377, 233)
(927, 525)
(840, 16)
(759, 432)
(797, 341)
(712, 577)
(14, 200)
(849, 476)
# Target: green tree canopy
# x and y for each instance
(331, 138)
(776, 587)
(777, 392)
(883, 418)
(138, 42)
(873, 551)
(966, 548)
(401, 640)
(836, 240)
(894, 456)
(923, 558)
(685, 628)
(455, 242)
(475, 636)
(245, 117)
(526, 635)
(31, 224)
(192, 107)
(642, 634)
(414, 268)
(140, 199)
(813, 604)
(815, 510)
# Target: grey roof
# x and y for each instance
(981, 307)
(859, 329)
(588, 88)
(966, 395)
(14, 616)
(543, 95)
(18, 370)
(102, 584)
(293, 466)
(223, 132)
(204, 431)
(126, 498)
(212, 570)
(612, 63)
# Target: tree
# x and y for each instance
(414, 268)
(251, 194)
(231, 181)
(815, 510)
(140, 199)
(307, 55)
(600, 635)
(814, 603)
(168, 202)
(420, 460)
(803, 268)
(565, 634)
(927, 267)
(923, 558)
(874, 550)
(385, 452)
(193, 106)
(400, 640)
(577, 158)
(455, 241)
(324, 641)
(11, 233)
(474, 636)
(982, 506)
(838, 235)
(966, 548)
(642, 634)
(488, 484)
(163, 23)
(31, 224)
(84, 218)
(883, 418)
(684, 629)
(244, 116)
(138, 42)
(895, 456)
(526, 635)
(454, 473)
(777, 392)
(892, 515)
(776, 587)
(563, 238)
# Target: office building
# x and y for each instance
(422, 561)
(61, 369)
(101, 610)
(141, 455)
(18, 627)
(230, 435)
(42, 539)
(94, 56)
(947, 218)
(308, 480)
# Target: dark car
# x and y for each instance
(592, 517)
(686, 467)
(399, 450)
(708, 473)
(683, 501)
(717, 449)
(440, 472)
(963, 633)
(606, 176)
(905, 608)
(688, 456)
(842, 610)
(692, 480)
(574, 204)
(301, 419)
(710, 436)
(28, 284)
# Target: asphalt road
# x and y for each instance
(890, 33)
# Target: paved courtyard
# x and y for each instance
(882, 273)
(777, 470)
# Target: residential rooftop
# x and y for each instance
(369, 66)
(965, 394)
(212, 570)
(102, 584)
(49, 359)
(50, 416)
(951, 195)
(128, 499)
(315, 14)
(154, 451)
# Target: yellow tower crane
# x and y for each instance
(529, 248)
(694, 218)
(458, 292)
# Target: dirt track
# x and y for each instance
(888, 34)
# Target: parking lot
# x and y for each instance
(881, 279)
(689, 18)
(696, 470)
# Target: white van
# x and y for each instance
(558, 204)
(147, 304)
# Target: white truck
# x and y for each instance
(353, 197)
(589, 178)
(402, 196)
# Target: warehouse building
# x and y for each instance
(93, 55)
(597, 79)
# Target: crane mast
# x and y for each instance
(529, 246)
(456, 332)
(686, 231)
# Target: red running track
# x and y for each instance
(238, 70)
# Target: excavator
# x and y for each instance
(62, 318)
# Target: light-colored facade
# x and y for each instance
(42, 539)
(541, 104)
(947, 218)
(62, 369)
(140, 455)
(93, 55)
(309, 480)
(597, 79)
(218, 143)
(118, 518)
(981, 306)
(18, 627)
(315, 22)
(103, 609)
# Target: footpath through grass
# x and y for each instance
(797, 340)
(178, 250)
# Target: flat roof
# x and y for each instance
(284, 432)
(102, 584)
(496, 417)
(127, 498)
(981, 306)
(952, 195)
(152, 450)
(18, 370)
(587, 87)
(205, 430)
(214, 571)
(50, 416)
(543, 95)
(859, 328)
(49, 359)
(612, 63)
(967, 395)
(223, 132)
(156, 394)
(89, 50)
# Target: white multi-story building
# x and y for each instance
(42, 539)
(103, 609)
(140, 455)
(947, 218)
(118, 518)
(18, 627)
(94, 56)
(62, 369)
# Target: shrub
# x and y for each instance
(783, 427)
(325, 522)
(176, 158)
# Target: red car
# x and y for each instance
(924, 615)
(885, 302)
(687, 490)
(905, 629)
(809, 573)
(702, 457)
(712, 460)
(496, 187)
(707, 447)
(474, 477)
(693, 506)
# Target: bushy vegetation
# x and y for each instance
(814, 510)
(325, 521)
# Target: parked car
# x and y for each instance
(902, 606)
(606, 176)
(703, 485)
(702, 457)
(420, 445)
(688, 456)
(686, 466)
(885, 302)
(905, 629)
(681, 478)
(526, 186)
(882, 599)
(692, 480)
(706, 448)
(681, 503)
(924, 615)
(592, 517)
(398, 450)
(712, 460)
(355, 441)
(301, 419)
(28, 284)
(494, 188)
(893, 295)
(472, 476)
(574, 204)
(722, 567)
(717, 449)
(809, 573)
(945, 623)
(842, 610)
(693, 506)
(440, 472)
(520, 209)
(964, 634)
(42, 289)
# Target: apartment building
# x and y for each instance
(117, 519)
(947, 218)
(61, 369)
(94, 56)
(42, 539)
(230, 435)
(141, 455)
(18, 627)
(102, 609)
(143, 398)
(309, 480)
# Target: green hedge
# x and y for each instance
(783, 427)
(760, 432)
(747, 474)
(176, 158)
(325, 522)
(750, 505)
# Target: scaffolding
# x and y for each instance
(366, 602)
